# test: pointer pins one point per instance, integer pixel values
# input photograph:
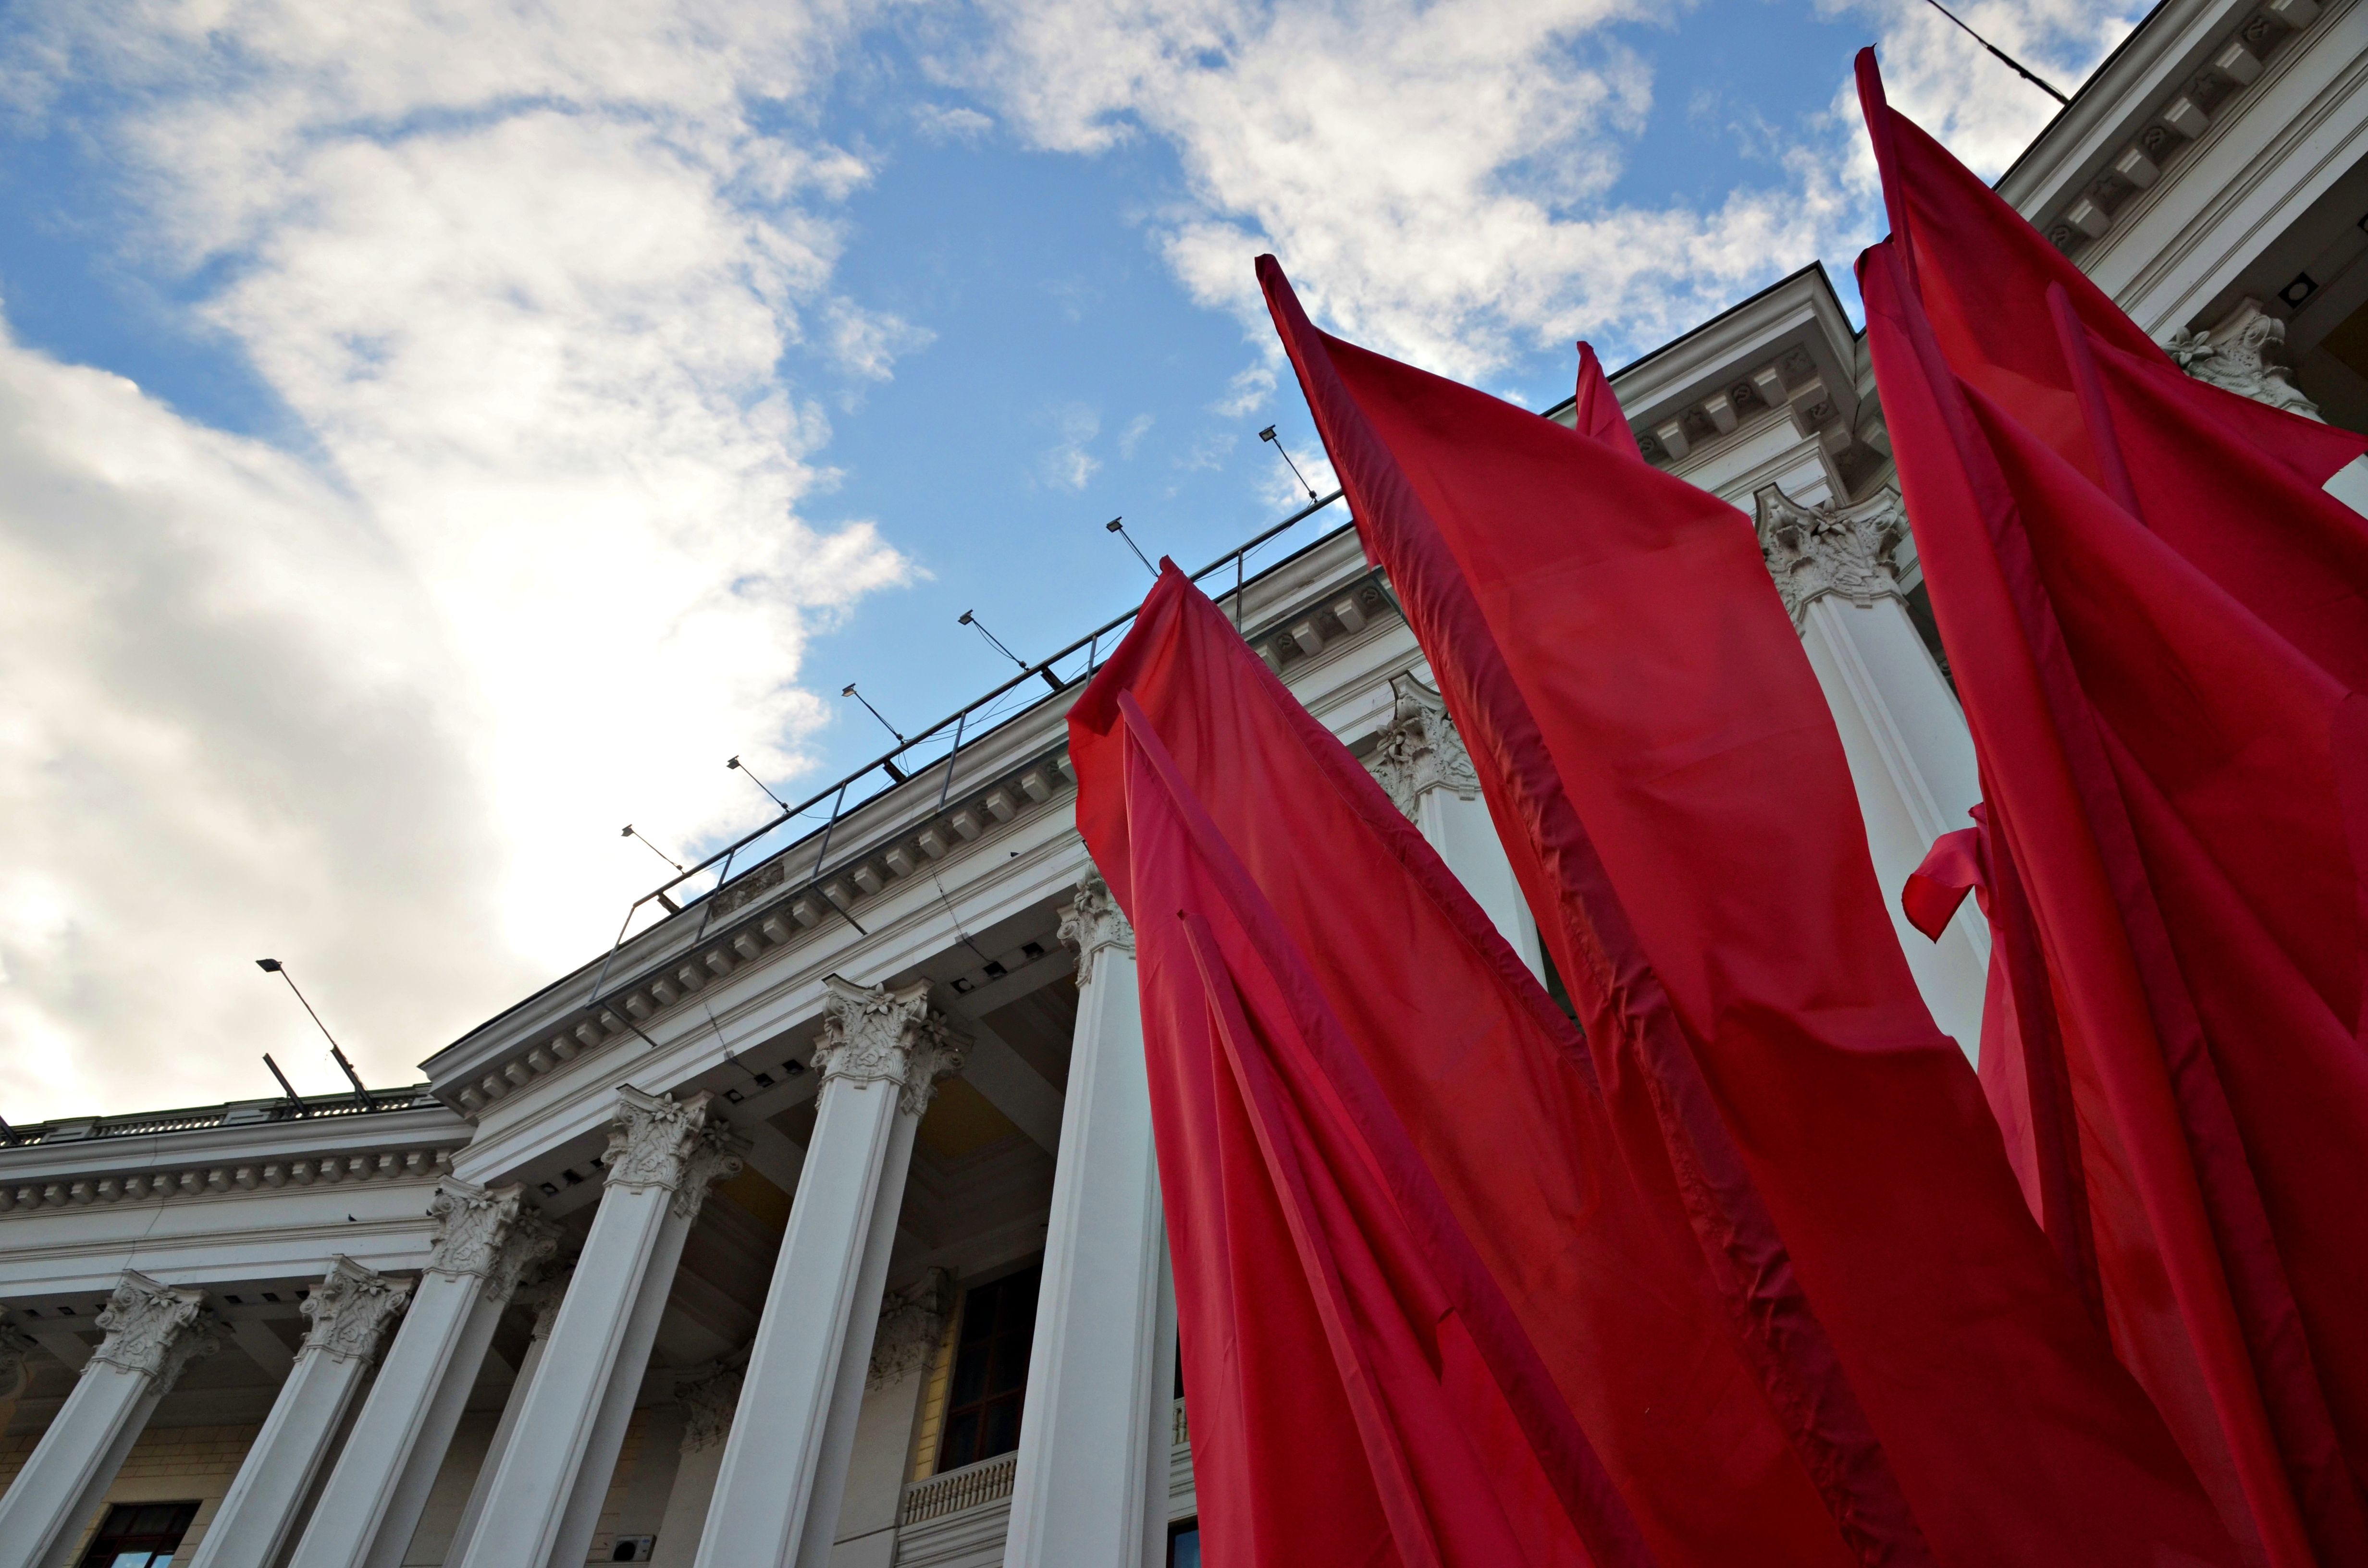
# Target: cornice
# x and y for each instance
(215, 1156)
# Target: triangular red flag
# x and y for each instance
(1419, 1056)
(2156, 620)
(1596, 411)
(1667, 779)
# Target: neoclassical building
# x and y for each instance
(817, 1221)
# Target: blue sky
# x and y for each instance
(434, 433)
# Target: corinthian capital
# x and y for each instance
(2238, 355)
(1815, 551)
(15, 1345)
(873, 1035)
(154, 1329)
(1094, 921)
(680, 1145)
(709, 1398)
(912, 1321)
(349, 1308)
(1420, 751)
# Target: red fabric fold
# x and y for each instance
(1432, 1083)
(2159, 624)
(1595, 413)
(1664, 772)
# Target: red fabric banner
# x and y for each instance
(1665, 774)
(1443, 1114)
(2159, 624)
(1596, 411)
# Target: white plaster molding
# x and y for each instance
(657, 1141)
(350, 1309)
(154, 1329)
(912, 1322)
(873, 1035)
(1419, 750)
(1094, 921)
(1825, 549)
(216, 1180)
(709, 1401)
(488, 1233)
(2235, 354)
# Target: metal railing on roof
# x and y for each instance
(200, 1118)
(917, 757)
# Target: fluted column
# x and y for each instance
(1420, 760)
(1094, 1407)
(1910, 755)
(371, 1502)
(784, 1466)
(348, 1311)
(544, 1502)
(152, 1332)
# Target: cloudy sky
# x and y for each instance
(435, 432)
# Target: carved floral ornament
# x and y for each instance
(488, 1233)
(709, 1400)
(154, 1330)
(1094, 921)
(2236, 354)
(873, 1035)
(15, 1345)
(912, 1321)
(657, 1141)
(350, 1309)
(1815, 551)
(1419, 751)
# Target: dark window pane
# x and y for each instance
(139, 1535)
(969, 1376)
(1010, 1366)
(1002, 1428)
(983, 1405)
(961, 1441)
(1184, 1546)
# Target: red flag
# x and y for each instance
(1662, 767)
(1414, 1045)
(1597, 412)
(2156, 624)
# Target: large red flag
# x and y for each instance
(1662, 767)
(1420, 1057)
(2159, 629)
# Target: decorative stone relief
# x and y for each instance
(154, 1329)
(1420, 750)
(487, 1233)
(709, 1400)
(546, 1294)
(1094, 921)
(350, 1308)
(873, 1035)
(15, 1345)
(912, 1321)
(2236, 354)
(1815, 551)
(658, 1141)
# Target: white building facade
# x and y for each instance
(818, 1222)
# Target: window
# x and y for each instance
(1184, 1544)
(990, 1371)
(139, 1535)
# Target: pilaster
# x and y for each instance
(1910, 755)
(371, 1502)
(543, 1503)
(349, 1310)
(1421, 760)
(1082, 1491)
(153, 1332)
(785, 1464)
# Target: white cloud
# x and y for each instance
(1132, 437)
(526, 279)
(1067, 464)
(950, 123)
(1436, 176)
(1249, 389)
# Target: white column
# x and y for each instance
(1910, 755)
(350, 1310)
(371, 1502)
(777, 1495)
(1420, 760)
(152, 1332)
(544, 1296)
(911, 1325)
(544, 1502)
(1082, 1491)
(708, 1400)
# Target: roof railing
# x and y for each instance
(897, 765)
